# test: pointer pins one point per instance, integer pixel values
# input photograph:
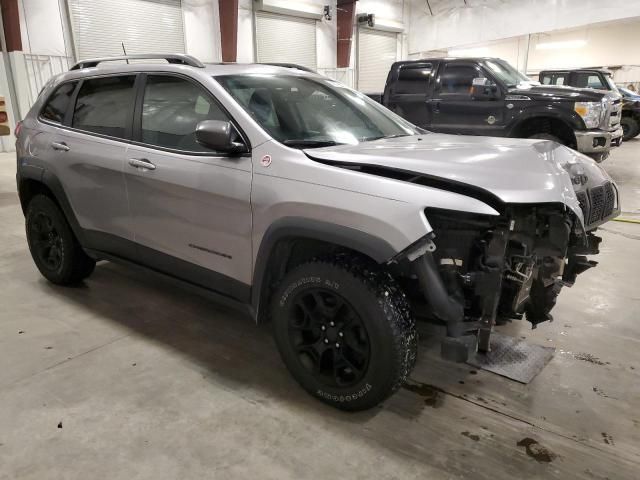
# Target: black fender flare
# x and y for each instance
(53, 184)
(299, 227)
(569, 118)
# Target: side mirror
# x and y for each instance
(220, 136)
(483, 89)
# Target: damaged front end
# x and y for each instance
(477, 271)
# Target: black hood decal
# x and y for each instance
(426, 180)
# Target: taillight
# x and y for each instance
(3, 117)
(16, 132)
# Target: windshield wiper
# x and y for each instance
(309, 143)
(369, 139)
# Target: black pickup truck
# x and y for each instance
(487, 96)
(599, 79)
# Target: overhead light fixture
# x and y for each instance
(561, 45)
(367, 18)
(327, 12)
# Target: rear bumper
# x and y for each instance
(597, 141)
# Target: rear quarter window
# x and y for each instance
(57, 104)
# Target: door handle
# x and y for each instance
(141, 163)
(60, 146)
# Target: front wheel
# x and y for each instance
(344, 330)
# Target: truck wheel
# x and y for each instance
(546, 136)
(345, 331)
(630, 127)
(53, 246)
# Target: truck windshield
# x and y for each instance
(506, 73)
(305, 112)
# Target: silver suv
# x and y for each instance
(308, 204)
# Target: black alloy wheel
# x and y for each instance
(329, 337)
(46, 241)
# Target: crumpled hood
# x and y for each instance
(514, 170)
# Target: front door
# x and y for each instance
(454, 108)
(190, 205)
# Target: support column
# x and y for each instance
(11, 21)
(228, 29)
(345, 20)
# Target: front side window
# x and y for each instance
(105, 105)
(414, 79)
(458, 79)
(171, 110)
(589, 80)
(304, 112)
(56, 107)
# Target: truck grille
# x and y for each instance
(613, 115)
(597, 203)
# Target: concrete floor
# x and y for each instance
(132, 377)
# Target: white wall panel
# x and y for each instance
(454, 23)
(286, 39)
(145, 26)
(376, 52)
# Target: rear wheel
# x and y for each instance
(53, 247)
(344, 330)
(630, 127)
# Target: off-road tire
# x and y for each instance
(630, 126)
(381, 308)
(69, 264)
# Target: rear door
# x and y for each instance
(86, 151)
(408, 94)
(454, 108)
(190, 205)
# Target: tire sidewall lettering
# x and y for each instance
(345, 398)
(307, 281)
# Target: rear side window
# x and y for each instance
(57, 104)
(413, 79)
(105, 105)
(458, 79)
(171, 110)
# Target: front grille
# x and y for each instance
(597, 203)
(596, 195)
(609, 199)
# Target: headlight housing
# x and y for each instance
(591, 112)
(577, 172)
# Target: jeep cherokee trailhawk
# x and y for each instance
(309, 204)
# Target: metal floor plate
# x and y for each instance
(513, 358)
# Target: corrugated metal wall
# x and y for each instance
(145, 26)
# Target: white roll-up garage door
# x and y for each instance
(376, 52)
(286, 39)
(145, 26)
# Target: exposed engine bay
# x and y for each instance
(497, 269)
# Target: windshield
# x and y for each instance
(305, 112)
(506, 73)
(610, 82)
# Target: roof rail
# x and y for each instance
(178, 58)
(290, 65)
